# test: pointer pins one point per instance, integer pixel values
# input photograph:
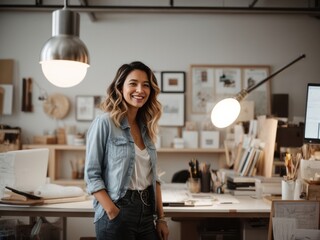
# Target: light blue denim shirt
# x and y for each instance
(110, 158)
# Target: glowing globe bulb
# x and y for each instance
(225, 112)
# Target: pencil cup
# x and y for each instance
(287, 189)
(205, 182)
(74, 175)
(194, 185)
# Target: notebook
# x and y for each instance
(24, 170)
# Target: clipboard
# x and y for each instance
(284, 206)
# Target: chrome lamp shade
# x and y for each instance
(64, 57)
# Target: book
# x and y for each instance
(237, 156)
(255, 162)
(244, 157)
(241, 179)
(245, 192)
(239, 185)
(248, 161)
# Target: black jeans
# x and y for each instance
(134, 221)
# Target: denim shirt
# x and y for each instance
(110, 158)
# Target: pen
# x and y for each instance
(226, 203)
(31, 196)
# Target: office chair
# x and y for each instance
(180, 176)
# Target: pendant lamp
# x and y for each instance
(226, 112)
(64, 58)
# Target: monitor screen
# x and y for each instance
(312, 114)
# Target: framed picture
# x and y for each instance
(212, 83)
(202, 88)
(87, 107)
(173, 107)
(261, 95)
(173, 82)
(228, 80)
(210, 139)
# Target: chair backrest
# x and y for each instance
(180, 176)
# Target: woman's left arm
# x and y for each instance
(161, 224)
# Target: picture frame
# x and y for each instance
(210, 139)
(173, 81)
(212, 83)
(173, 105)
(87, 107)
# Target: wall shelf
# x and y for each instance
(191, 150)
(59, 170)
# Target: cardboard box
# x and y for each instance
(190, 139)
(313, 192)
(10, 139)
(44, 139)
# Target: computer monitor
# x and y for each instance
(312, 114)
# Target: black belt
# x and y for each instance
(143, 195)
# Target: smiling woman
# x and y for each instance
(120, 145)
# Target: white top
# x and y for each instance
(141, 177)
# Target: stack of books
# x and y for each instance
(241, 186)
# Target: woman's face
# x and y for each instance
(136, 89)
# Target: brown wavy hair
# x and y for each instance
(149, 113)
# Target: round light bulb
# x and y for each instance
(225, 112)
(64, 73)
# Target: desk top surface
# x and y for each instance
(221, 204)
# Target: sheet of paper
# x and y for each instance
(283, 228)
(174, 193)
(6, 172)
(310, 234)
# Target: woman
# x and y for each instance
(121, 159)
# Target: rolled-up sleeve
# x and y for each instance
(96, 151)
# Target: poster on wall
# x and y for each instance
(212, 83)
(6, 96)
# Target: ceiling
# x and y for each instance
(96, 7)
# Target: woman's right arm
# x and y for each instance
(95, 150)
(103, 198)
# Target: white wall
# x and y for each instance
(164, 42)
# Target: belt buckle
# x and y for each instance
(144, 196)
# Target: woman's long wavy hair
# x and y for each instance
(115, 104)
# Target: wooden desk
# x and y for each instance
(193, 218)
(247, 207)
(62, 210)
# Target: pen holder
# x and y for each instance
(194, 185)
(287, 189)
(205, 182)
(74, 175)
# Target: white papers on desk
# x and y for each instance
(176, 193)
(49, 191)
